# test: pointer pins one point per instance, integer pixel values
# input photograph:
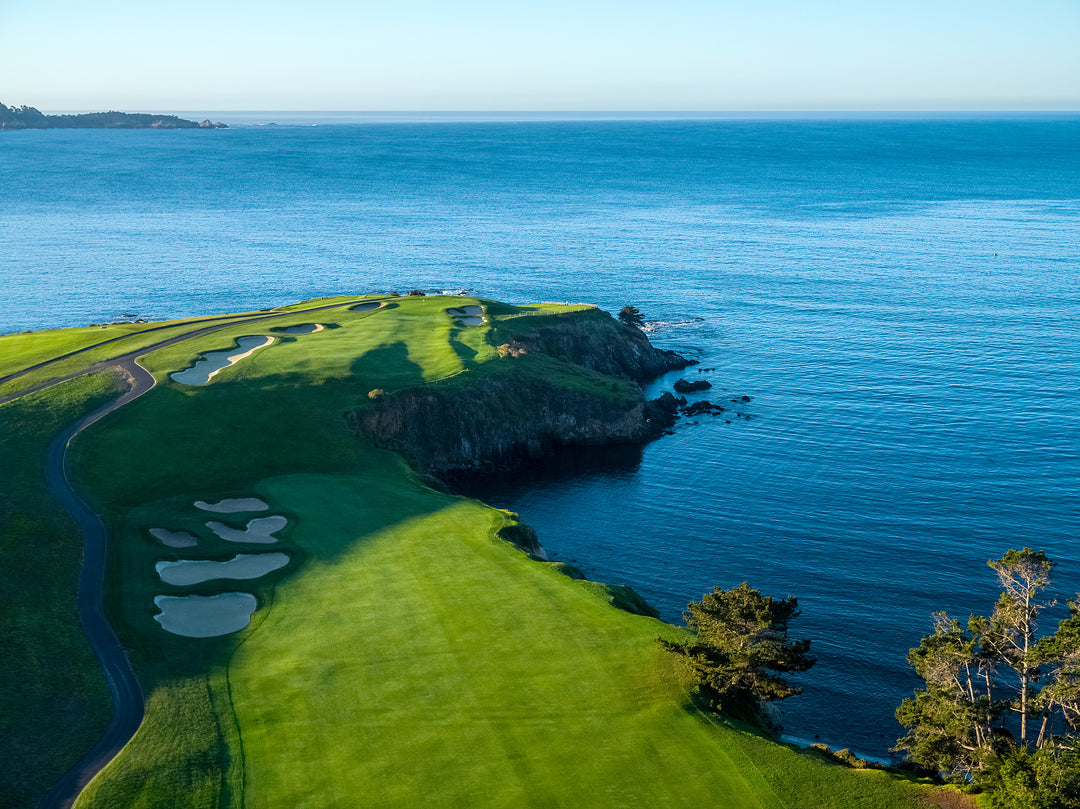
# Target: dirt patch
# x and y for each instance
(945, 798)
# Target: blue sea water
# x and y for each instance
(899, 297)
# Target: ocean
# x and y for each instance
(898, 296)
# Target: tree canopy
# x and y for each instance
(740, 649)
(1001, 705)
(631, 316)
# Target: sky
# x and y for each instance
(600, 55)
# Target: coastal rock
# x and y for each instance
(683, 386)
(661, 412)
(496, 422)
(702, 408)
(522, 535)
(594, 340)
(528, 406)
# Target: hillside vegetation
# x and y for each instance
(32, 118)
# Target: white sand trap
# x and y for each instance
(174, 539)
(233, 505)
(472, 310)
(471, 315)
(241, 566)
(302, 328)
(215, 361)
(261, 530)
(205, 616)
(367, 306)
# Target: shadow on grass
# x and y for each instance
(387, 366)
(466, 352)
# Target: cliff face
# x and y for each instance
(497, 421)
(594, 340)
(563, 381)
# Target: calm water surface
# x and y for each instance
(900, 298)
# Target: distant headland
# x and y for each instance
(31, 118)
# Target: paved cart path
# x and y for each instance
(124, 688)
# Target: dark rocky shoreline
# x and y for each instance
(503, 419)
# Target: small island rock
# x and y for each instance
(683, 386)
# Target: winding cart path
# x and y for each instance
(126, 695)
(127, 698)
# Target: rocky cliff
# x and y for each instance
(592, 339)
(566, 380)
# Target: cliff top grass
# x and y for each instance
(406, 655)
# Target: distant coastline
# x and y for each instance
(32, 118)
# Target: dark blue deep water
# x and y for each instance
(900, 298)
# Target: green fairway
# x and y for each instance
(406, 655)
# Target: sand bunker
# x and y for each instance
(211, 363)
(241, 566)
(471, 315)
(302, 328)
(260, 529)
(367, 306)
(232, 505)
(205, 616)
(174, 539)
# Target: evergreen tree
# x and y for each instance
(631, 316)
(974, 720)
(950, 721)
(1023, 575)
(740, 649)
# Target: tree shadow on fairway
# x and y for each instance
(388, 367)
(466, 352)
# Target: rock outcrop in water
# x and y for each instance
(565, 380)
(683, 386)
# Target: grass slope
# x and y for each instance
(53, 700)
(406, 656)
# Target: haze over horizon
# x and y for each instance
(596, 55)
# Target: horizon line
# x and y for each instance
(609, 111)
